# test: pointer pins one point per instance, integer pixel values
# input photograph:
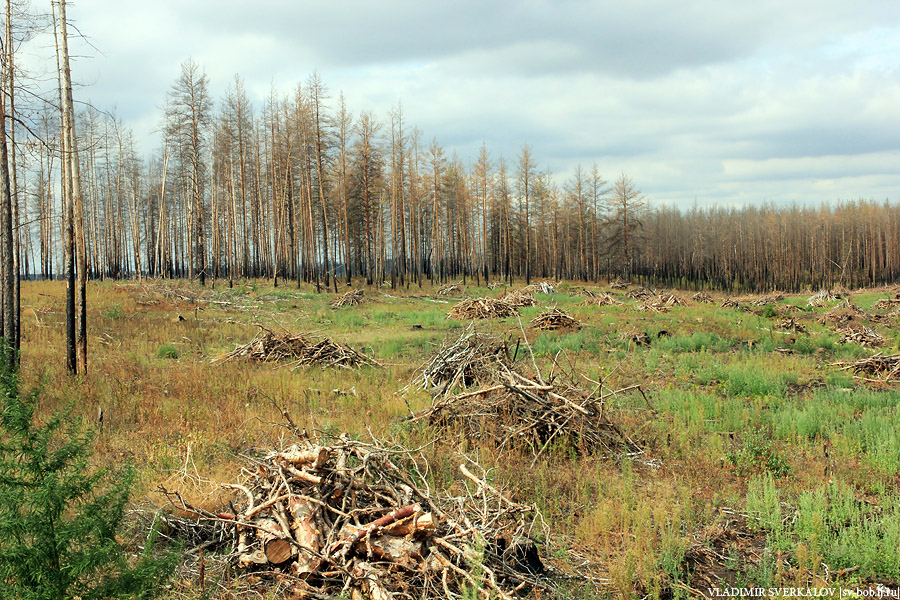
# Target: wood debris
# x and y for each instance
(703, 298)
(601, 300)
(482, 308)
(521, 411)
(496, 284)
(640, 293)
(767, 300)
(652, 306)
(821, 298)
(299, 349)
(555, 318)
(462, 362)
(359, 520)
(887, 303)
(843, 314)
(671, 300)
(790, 324)
(541, 287)
(351, 298)
(518, 298)
(729, 303)
(618, 284)
(449, 289)
(862, 335)
(878, 366)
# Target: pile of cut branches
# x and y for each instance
(887, 303)
(790, 324)
(300, 349)
(482, 308)
(652, 306)
(843, 314)
(554, 318)
(768, 300)
(542, 287)
(449, 289)
(879, 366)
(822, 297)
(601, 300)
(525, 412)
(462, 362)
(351, 298)
(496, 284)
(518, 298)
(671, 300)
(618, 284)
(703, 298)
(862, 335)
(584, 292)
(729, 303)
(360, 519)
(640, 293)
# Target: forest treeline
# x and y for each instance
(302, 189)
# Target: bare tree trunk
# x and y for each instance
(77, 203)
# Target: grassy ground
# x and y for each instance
(764, 465)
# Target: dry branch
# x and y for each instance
(703, 298)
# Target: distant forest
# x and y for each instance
(302, 189)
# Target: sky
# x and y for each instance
(724, 102)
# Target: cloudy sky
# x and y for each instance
(719, 102)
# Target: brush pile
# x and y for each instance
(601, 300)
(822, 298)
(730, 303)
(652, 305)
(300, 349)
(460, 363)
(482, 308)
(358, 520)
(524, 412)
(541, 287)
(496, 284)
(554, 318)
(518, 299)
(767, 300)
(618, 284)
(702, 297)
(449, 289)
(862, 335)
(887, 303)
(584, 292)
(640, 293)
(790, 324)
(671, 300)
(351, 298)
(843, 314)
(878, 366)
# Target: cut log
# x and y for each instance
(303, 515)
(314, 457)
(276, 548)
